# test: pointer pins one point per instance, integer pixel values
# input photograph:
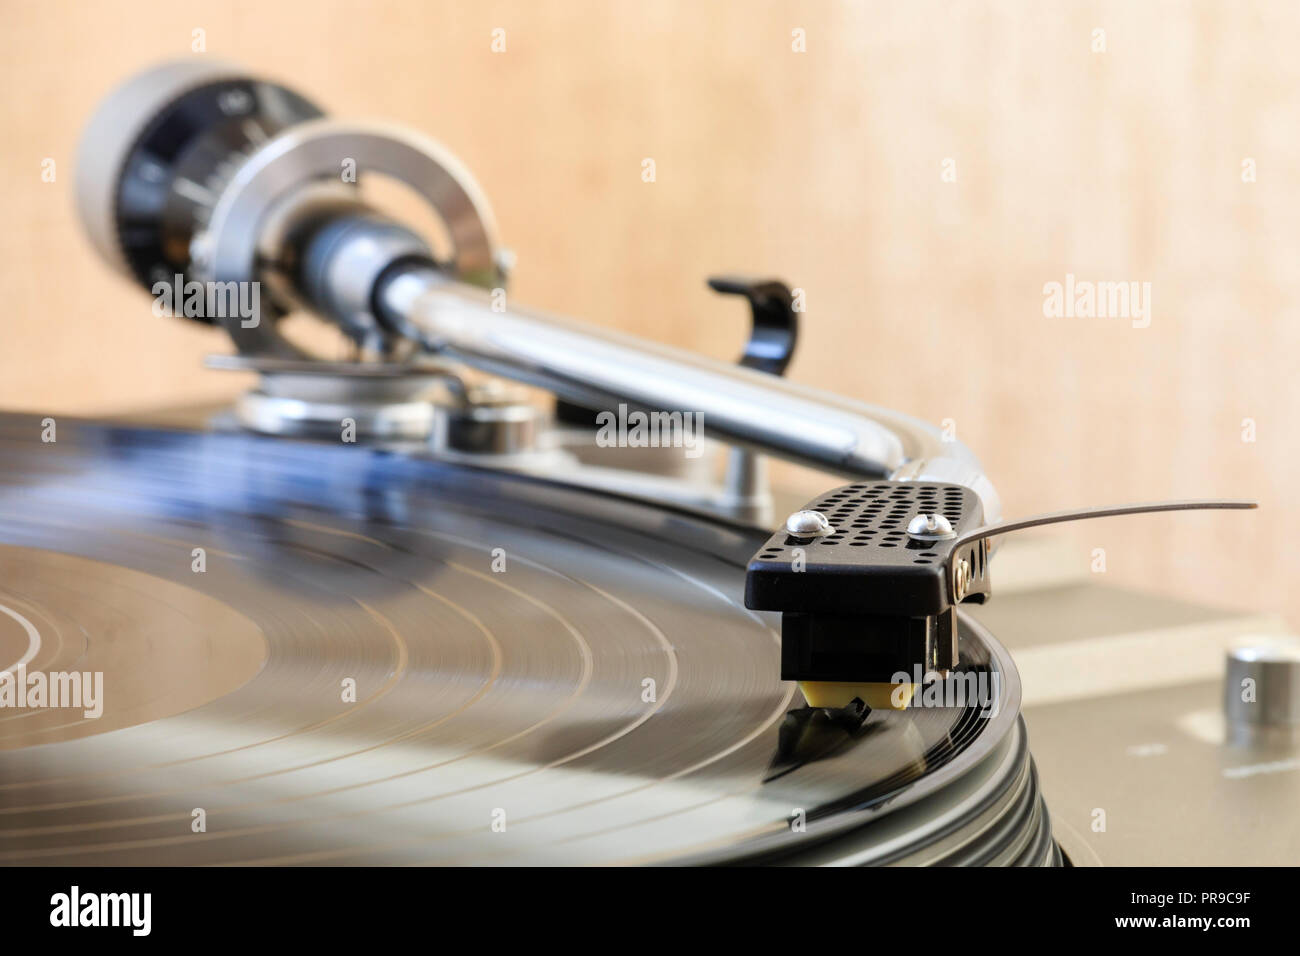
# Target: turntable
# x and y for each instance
(394, 610)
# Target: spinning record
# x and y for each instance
(328, 654)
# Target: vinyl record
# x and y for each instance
(329, 654)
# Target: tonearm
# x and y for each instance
(193, 169)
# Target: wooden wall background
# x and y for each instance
(821, 167)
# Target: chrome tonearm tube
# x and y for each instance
(194, 169)
(596, 366)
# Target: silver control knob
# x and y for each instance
(1261, 695)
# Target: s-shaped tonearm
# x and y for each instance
(192, 172)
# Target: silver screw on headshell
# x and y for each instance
(930, 527)
(808, 524)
